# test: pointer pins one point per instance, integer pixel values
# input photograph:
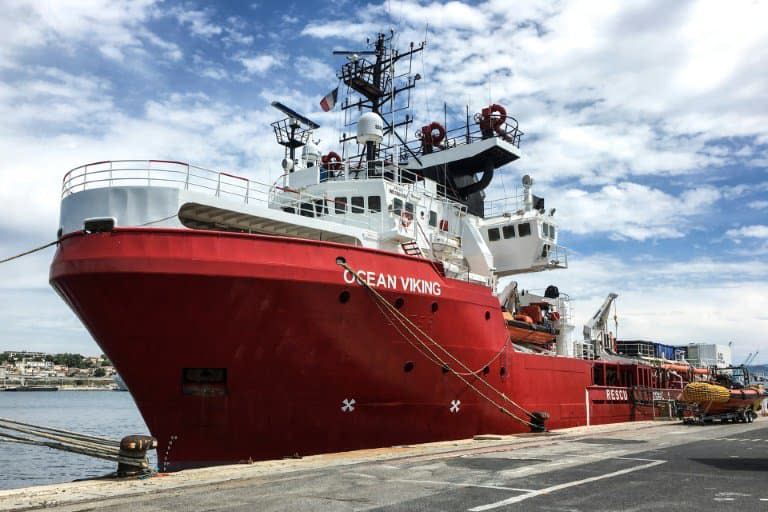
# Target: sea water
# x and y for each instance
(111, 414)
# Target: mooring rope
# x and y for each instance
(410, 327)
(128, 453)
(31, 251)
(65, 440)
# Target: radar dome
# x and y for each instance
(311, 153)
(370, 128)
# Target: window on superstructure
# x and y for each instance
(552, 232)
(358, 204)
(307, 209)
(493, 234)
(397, 206)
(545, 230)
(341, 205)
(524, 229)
(508, 231)
(409, 208)
(433, 219)
(320, 207)
(374, 203)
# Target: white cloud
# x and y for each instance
(198, 21)
(113, 27)
(314, 69)
(756, 231)
(259, 64)
(629, 210)
(758, 205)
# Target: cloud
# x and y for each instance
(259, 64)
(314, 69)
(199, 22)
(756, 231)
(758, 205)
(629, 211)
(113, 27)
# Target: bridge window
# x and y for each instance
(374, 203)
(341, 205)
(545, 230)
(409, 208)
(493, 234)
(397, 206)
(552, 232)
(524, 229)
(358, 204)
(433, 218)
(508, 231)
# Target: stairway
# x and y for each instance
(411, 248)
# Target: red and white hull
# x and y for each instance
(305, 372)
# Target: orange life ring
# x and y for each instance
(487, 119)
(332, 161)
(428, 136)
(406, 218)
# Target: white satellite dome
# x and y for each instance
(370, 128)
(311, 154)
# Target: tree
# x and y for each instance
(99, 372)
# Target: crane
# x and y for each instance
(597, 326)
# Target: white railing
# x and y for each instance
(507, 204)
(181, 175)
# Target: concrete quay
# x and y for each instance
(632, 466)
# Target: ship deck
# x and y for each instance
(650, 465)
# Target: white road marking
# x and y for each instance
(437, 482)
(554, 488)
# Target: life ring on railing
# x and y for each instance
(332, 161)
(405, 219)
(428, 136)
(492, 118)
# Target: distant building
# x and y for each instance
(709, 354)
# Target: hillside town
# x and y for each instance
(64, 369)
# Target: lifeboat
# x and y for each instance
(716, 399)
(523, 328)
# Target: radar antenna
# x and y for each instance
(292, 132)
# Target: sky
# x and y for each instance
(646, 127)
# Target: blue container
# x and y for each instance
(664, 351)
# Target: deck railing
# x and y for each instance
(181, 175)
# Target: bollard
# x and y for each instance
(537, 421)
(132, 459)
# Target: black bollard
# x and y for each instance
(537, 421)
(132, 459)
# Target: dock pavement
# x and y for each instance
(621, 467)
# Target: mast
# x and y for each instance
(372, 84)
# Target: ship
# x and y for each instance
(363, 299)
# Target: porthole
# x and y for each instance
(434, 307)
(445, 368)
(399, 302)
(486, 370)
(408, 367)
(487, 315)
(344, 297)
(502, 371)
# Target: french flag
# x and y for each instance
(329, 101)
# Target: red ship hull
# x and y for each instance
(293, 368)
